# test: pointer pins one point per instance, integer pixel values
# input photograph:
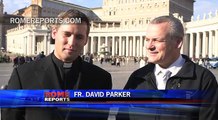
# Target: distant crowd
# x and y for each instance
(19, 60)
(142, 61)
(5, 59)
(113, 60)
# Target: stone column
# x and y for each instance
(216, 43)
(144, 47)
(130, 47)
(123, 47)
(127, 45)
(204, 44)
(48, 44)
(210, 50)
(120, 41)
(99, 43)
(185, 46)
(191, 52)
(138, 47)
(25, 45)
(92, 44)
(85, 48)
(109, 44)
(134, 46)
(113, 45)
(34, 44)
(116, 46)
(95, 44)
(198, 46)
(45, 44)
(141, 46)
(106, 43)
(28, 45)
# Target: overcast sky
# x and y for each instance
(200, 6)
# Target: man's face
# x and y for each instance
(69, 41)
(161, 49)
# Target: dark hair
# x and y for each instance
(176, 28)
(72, 13)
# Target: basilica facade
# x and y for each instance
(117, 28)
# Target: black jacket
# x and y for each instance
(190, 77)
(43, 75)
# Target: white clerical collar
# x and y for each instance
(67, 65)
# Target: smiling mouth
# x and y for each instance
(152, 53)
(69, 49)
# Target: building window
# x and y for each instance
(133, 22)
(148, 6)
(141, 22)
(126, 22)
(147, 21)
(155, 5)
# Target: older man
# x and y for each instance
(168, 69)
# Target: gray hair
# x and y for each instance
(176, 29)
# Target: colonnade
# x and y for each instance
(116, 45)
(202, 44)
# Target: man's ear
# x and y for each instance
(53, 32)
(87, 40)
(179, 43)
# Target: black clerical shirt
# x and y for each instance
(68, 76)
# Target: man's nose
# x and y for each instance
(149, 44)
(71, 40)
